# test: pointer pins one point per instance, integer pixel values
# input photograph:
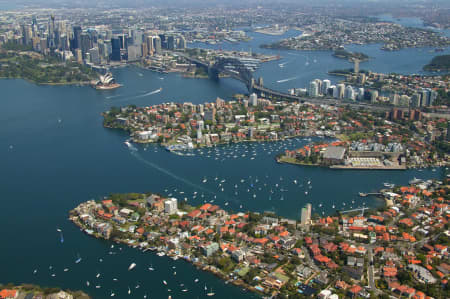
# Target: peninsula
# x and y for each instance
(275, 256)
(329, 33)
(390, 137)
(33, 291)
(41, 69)
(438, 64)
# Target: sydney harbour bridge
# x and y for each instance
(237, 68)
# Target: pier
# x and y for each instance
(355, 210)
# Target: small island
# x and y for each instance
(439, 63)
(33, 291)
(351, 56)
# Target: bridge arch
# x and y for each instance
(239, 70)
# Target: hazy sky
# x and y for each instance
(11, 4)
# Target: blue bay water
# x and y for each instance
(56, 154)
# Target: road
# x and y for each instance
(318, 101)
(370, 270)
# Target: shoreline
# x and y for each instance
(216, 144)
(167, 252)
(194, 258)
(25, 289)
(82, 83)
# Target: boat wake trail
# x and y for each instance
(140, 96)
(112, 97)
(286, 80)
(176, 177)
(148, 93)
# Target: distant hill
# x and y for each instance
(438, 63)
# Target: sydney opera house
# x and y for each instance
(106, 81)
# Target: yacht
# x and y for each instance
(131, 267)
(415, 181)
(211, 293)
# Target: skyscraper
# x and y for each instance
(170, 206)
(306, 214)
(76, 37)
(171, 42)
(340, 90)
(373, 96)
(253, 99)
(181, 42)
(85, 43)
(425, 95)
(415, 100)
(356, 66)
(325, 86)
(157, 44)
(94, 55)
(349, 93)
(115, 48)
(313, 90)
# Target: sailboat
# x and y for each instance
(131, 267)
(78, 260)
(211, 293)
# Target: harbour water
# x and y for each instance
(56, 154)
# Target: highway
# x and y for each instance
(274, 94)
